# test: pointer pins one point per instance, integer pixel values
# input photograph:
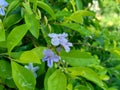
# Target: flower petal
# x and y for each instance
(55, 41)
(52, 35)
(48, 53)
(50, 63)
(56, 58)
(2, 12)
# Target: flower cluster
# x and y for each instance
(31, 68)
(60, 39)
(3, 4)
(50, 57)
(56, 40)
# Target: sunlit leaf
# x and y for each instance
(34, 29)
(48, 74)
(57, 81)
(79, 58)
(16, 36)
(2, 32)
(76, 27)
(87, 73)
(23, 78)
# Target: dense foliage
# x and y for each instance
(59, 44)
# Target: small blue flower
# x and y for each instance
(57, 38)
(3, 4)
(31, 68)
(60, 39)
(50, 57)
(67, 46)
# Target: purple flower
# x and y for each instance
(31, 68)
(3, 4)
(50, 57)
(66, 46)
(60, 39)
(57, 38)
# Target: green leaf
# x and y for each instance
(31, 19)
(5, 70)
(39, 51)
(23, 78)
(16, 55)
(46, 8)
(79, 58)
(34, 29)
(116, 71)
(87, 73)
(35, 55)
(76, 27)
(112, 88)
(27, 8)
(12, 6)
(42, 69)
(47, 75)
(57, 81)
(2, 87)
(29, 56)
(81, 87)
(3, 44)
(11, 20)
(16, 36)
(10, 83)
(79, 4)
(85, 13)
(2, 32)
(78, 15)
(62, 14)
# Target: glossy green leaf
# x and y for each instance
(23, 78)
(2, 32)
(57, 81)
(76, 27)
(112, 88)
(85, 13)
(62, 14)
(34, 29)
(35, 55)
(41, 69)
(11, 20)
(16, 55)
(12, 6)
(16, 36)
(39, 51)
(47, 75)
(79, 4)
(5, 70)
(30, 18)
(27, 8)
(81, 87)
(87, 73)
(46, 8)
(78, 15)
(29, 56)
(3, 44)
(79, 58)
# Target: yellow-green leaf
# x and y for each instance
(16, 36)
